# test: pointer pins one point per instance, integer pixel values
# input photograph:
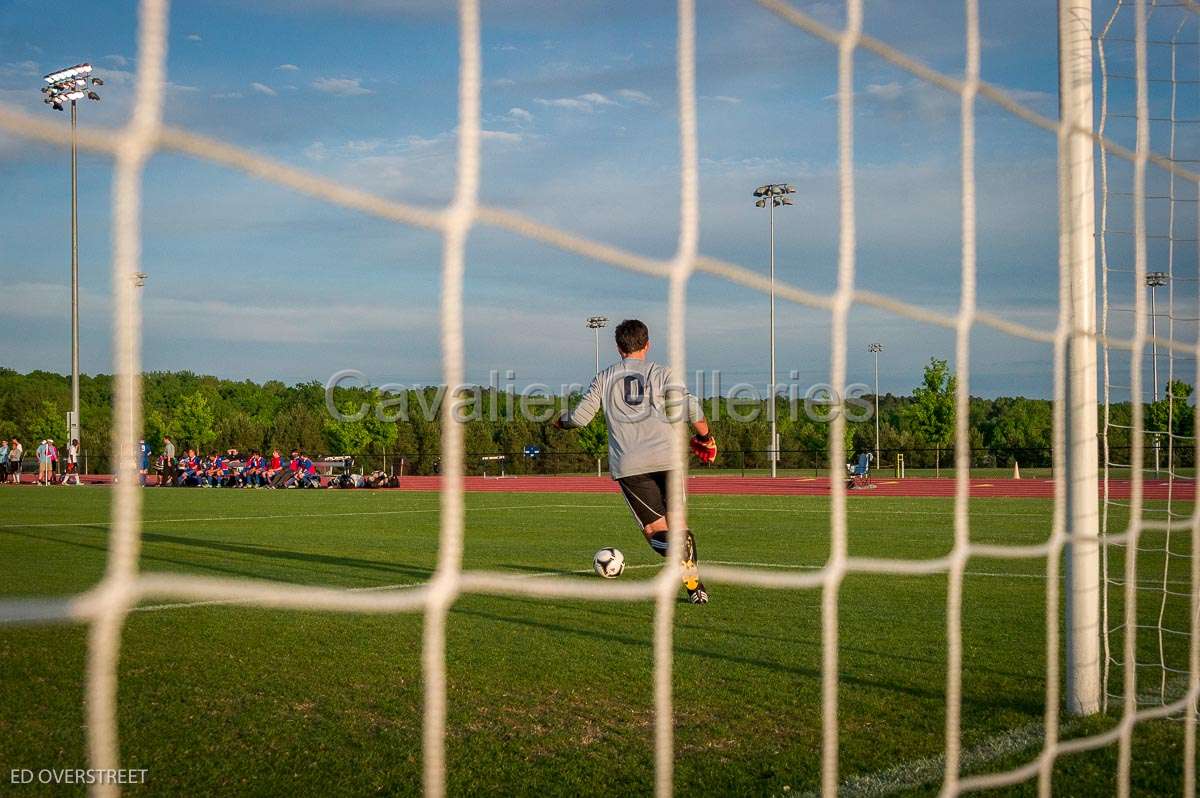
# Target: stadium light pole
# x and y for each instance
(594, 324)
(771, 196)
(875, 349)
(1155, 280)
(62, 86)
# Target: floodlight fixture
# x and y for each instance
(1157, 279)
(68, 73)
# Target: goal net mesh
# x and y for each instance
(105, 607)
(1158, 295)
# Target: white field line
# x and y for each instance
(930, 770)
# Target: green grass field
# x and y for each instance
(549, 696)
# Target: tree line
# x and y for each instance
(213, 414)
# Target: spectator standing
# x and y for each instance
(16, 453)
(72, 462)
(53, 461)
(168, 470)
(43, 461)
(4, 460)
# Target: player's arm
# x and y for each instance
(584, 411)
(702, 443)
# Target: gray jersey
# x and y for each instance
(640, 400)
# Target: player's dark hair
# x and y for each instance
(632, 336)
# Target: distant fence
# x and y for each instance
(750, 462)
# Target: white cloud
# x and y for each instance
(25, 69)
(595, 98)
(584, 102)
(885, 91)
(288, 67)
(519, 115)
(116, 59)
(501, 135)
(634, 96)
(263, 88)
(227, 95)
(343, 87)
(194, 37)
(504, 82)
(565, 102)
(722, 98)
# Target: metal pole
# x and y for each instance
(596, 346)
(877, 408)
(1076, 162)
(772, 448)
(1154, 335)
(73, 433)
(1154, 355)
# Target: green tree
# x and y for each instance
(194, 421)
(931, 413)
(593, 438)
(1173, 412)
(47, 421)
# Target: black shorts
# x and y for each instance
(646, 495)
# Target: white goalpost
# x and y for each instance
(1103, 609)
(1077, 245)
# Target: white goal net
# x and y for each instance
(1075, 534)
(1149, 280)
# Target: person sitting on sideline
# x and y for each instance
(275, 470)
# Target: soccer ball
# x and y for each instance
(609, 563)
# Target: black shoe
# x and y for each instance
(699, 595)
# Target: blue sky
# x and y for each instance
(251, 281)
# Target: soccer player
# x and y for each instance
(72, 462)
(639, 398)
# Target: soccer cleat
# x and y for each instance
(691, 573)
(698, 595)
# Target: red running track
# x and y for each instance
(929, 487)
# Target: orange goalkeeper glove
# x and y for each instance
(704, 447)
